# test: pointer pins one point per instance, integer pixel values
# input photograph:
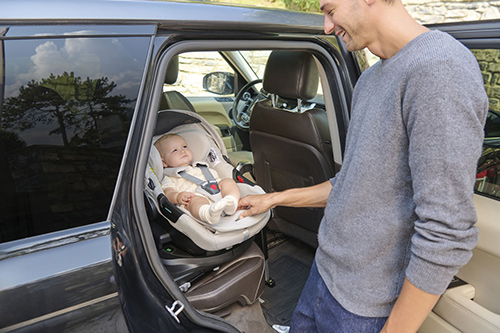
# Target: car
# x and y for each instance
(88, 242)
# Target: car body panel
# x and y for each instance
(46, 278)
(180, 15)
(93, 277)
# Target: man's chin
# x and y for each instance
(353, 48)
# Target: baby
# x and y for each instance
(175, 153)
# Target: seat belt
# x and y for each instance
(207, 187)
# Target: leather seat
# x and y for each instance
(291, 148)
(174, 99)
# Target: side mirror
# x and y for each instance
(220, 83)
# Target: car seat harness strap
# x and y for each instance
(208, 187)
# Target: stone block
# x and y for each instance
(494, 104)
(491, 13)
(495, 79)
(487, 78)
(493, 67)
(494, 92)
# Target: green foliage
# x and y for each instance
(303, 5)
(299, 5)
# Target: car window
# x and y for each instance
(65, 111)
(193, 66)
(488, 170)
(257, 61)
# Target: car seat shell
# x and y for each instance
(206, 145)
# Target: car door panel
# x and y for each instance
(67, 126)
(483, 270)
(475, 306)
(57, 276)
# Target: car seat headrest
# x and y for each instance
(155, 162)
(168, 120)
(172, 70)
(197, 141)
(291, 74)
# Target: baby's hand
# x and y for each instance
(183, 198)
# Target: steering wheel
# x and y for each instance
(244, 103)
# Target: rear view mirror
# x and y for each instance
(220, 83)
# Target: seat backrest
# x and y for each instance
(174, 99)
(291, 149)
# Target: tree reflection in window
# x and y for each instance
(73, 105)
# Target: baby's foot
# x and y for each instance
(211, 213)
(231, 204)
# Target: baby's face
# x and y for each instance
(175, 152)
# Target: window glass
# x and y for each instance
(488, 171)
(257, 61)
(193, 66)
(65, 112)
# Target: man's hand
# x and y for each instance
(312, 196)
(255, 204)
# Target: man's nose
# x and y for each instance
(329, 26)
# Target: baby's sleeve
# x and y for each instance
(167, 182)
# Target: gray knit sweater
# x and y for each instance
(402, 203)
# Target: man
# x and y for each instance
(399, 217)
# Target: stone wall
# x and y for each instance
(432, 11)
(489, 62)
(193, 66)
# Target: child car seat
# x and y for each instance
(191, 249)
(206, 146)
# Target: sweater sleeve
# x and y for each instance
(444, 108)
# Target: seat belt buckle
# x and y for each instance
(211, 187)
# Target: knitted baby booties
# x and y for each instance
(231, 204)
(211, 213)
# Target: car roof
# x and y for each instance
(180, 14)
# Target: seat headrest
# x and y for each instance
(155, 163)
(172, 70)
(291, 74)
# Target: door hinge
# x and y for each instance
(175, 312)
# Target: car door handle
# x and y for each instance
(458, 308)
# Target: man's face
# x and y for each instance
(175, 152)
(345, 18)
